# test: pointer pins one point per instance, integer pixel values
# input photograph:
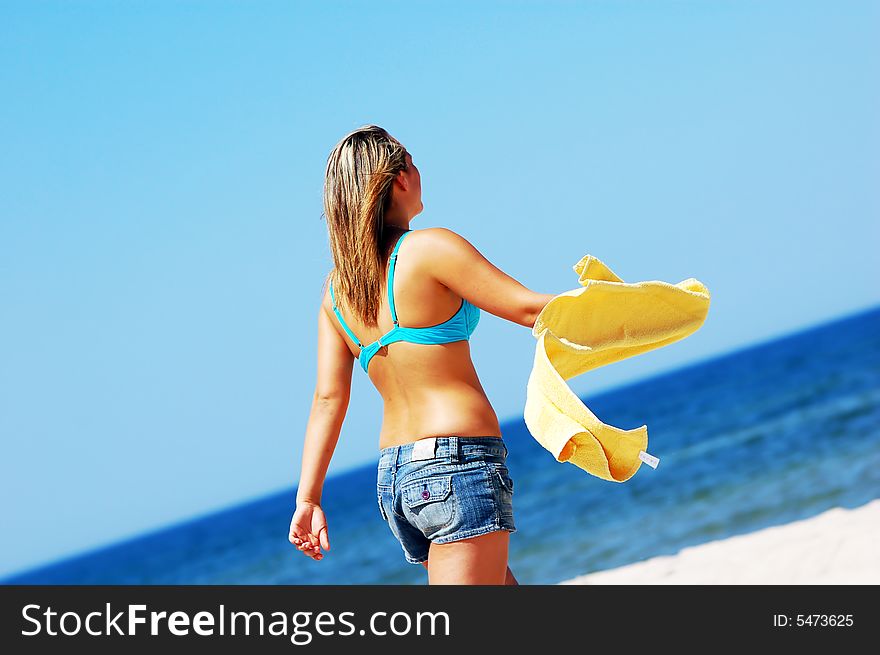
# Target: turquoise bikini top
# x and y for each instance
(458, 328)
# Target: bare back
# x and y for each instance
(428, 389)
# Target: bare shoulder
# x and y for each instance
(439, 245)
(454, 262)
(437, 236)
(326, 299)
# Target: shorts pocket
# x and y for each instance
(504, 497)
(428, 502)
(382, 507)
(504, 476)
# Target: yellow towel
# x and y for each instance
(603, 321)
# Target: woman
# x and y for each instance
(443, 486)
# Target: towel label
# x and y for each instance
(424, 448)
(650, 460)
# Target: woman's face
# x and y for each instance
(414, 191)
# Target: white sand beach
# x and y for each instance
(839, 546)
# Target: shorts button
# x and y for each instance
(426, 494)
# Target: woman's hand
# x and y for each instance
(308, 530)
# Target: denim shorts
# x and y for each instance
(443, 489)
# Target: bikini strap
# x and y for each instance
(391, 277)
(342, 321)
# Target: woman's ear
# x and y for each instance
(402, 179)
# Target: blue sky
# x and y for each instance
(162, 247)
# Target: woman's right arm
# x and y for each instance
(459, 266)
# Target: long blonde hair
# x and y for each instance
(357, 192)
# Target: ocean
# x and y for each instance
(768, 434)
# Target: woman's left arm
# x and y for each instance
(329, 405)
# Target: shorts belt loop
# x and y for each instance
(454, 450)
